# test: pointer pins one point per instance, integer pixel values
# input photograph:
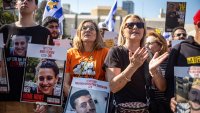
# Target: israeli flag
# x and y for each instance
(53, 8)
(110, 20)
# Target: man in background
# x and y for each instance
(179, 33)
(52, 25)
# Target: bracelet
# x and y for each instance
(126, 77)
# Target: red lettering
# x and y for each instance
(27, 96)
(38, 97)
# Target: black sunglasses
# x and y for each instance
(132, 24)
(179, 34)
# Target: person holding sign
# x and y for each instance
(184, 54)
(25, 26)
(82, 102)
(127, 69)
(86, 57)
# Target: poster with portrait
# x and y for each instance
(9, 4)
(44, 74)
(87, 94)
(4, 82)
(175, 15)
(110, 39)
(187, 81)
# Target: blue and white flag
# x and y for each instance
(110, 20)
(53, 8)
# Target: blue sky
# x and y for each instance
(144, 8)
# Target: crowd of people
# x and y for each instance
(140, 69)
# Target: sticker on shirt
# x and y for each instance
(84, 68)
(17, 50)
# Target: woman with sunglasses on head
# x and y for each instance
(156, 43)
(127, 69)
(86, 57)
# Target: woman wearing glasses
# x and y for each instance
(126, 67)
(86, 57)
(157, 43)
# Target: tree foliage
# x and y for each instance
(40, 11)
(6, 17)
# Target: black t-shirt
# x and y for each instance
(187, 53)
(15, 63)
(134, 91)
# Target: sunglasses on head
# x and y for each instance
(131, 25)
(179, 34)
(85, 28)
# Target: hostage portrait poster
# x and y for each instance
(44, 74)
(175, 15)
(87, 94)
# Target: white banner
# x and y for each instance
(46, 51)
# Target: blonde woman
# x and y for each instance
(125, 66)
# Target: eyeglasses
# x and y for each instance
(179, 34)
(132, 24)
(85, 28)
(150, 43)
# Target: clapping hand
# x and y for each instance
(156, 61)
(138, 57)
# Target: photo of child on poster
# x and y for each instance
(87, 95)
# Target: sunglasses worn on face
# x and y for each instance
(179, 34)
(132, 25)
(85, 28)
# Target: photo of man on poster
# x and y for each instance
(82, 102)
